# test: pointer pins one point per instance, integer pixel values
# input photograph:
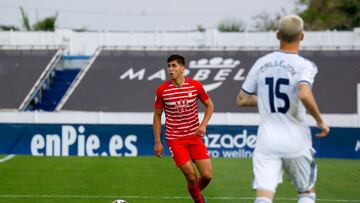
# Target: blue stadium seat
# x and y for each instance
(59, 84)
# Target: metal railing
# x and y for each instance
(77, 80)
(41, 82)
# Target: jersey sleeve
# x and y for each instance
(202, 95)
(159, 103)
(308, 74)
(249, 86)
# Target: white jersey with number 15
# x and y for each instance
(274, 78)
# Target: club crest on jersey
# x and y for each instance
(181, 105)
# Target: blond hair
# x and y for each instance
(290, 28)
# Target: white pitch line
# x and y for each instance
(161, 197)
(7, 158)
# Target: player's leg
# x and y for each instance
(189, 172)
(267, 175)
(205, 169)
(180, 153)
(307, 197)
(201, 158)
(302, 172)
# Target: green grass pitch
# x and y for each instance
(152, 180)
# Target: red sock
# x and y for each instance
(195, 193)
(202, 183)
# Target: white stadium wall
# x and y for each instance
(85, 43)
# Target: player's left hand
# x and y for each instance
(200, 131)
(324, 130)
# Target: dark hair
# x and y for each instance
(179, 59)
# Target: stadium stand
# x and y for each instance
(19, 72)
(59, 84)
(125, 80)
(336, 53)
(63, 74)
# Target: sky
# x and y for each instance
(141, 15)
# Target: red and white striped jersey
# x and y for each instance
(180, 105)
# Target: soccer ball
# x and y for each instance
(119, 201)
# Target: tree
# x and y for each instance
(25, 19)
(268, 22)
(231, 26)
(47, 24)
(330, 14)
(8, 28)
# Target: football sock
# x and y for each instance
(195, 193)
(202, 183)
(262, 200)
(306, 198)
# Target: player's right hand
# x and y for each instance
(324, 130)
(158, 150)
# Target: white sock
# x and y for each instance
(262, 200)
(306, 198)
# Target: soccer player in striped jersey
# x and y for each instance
(282, 82)
(178, 97)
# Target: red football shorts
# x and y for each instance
(183, 150)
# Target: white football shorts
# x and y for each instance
(268, 171)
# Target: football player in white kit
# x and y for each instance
(280, 83)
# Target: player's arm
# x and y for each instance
(244, 99)
(307, 98)
(209, 109)
(158, 148)
(247, 95)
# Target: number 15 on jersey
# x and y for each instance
(274, 93)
